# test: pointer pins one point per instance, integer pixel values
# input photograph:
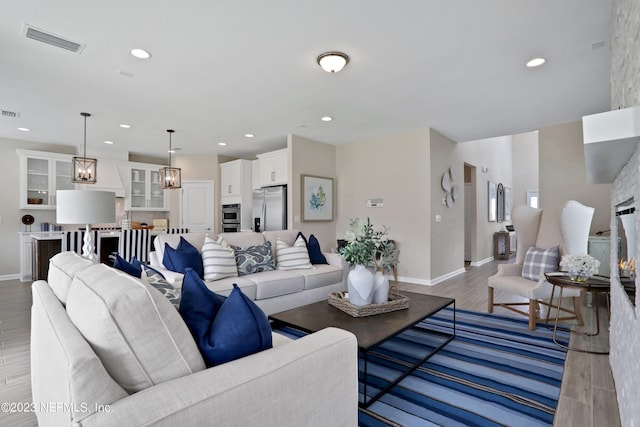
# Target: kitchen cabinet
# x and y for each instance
(274, 168)
(255, 174)
(41, 175)
(44, 247)
(26, 256)
(235, 182)
(145, 192)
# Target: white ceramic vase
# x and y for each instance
(360, 284)
(380, 288)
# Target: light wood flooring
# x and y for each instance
(588, 397)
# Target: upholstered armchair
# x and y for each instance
(566, 227)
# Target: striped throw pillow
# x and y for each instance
(292, 257)
(218, 259)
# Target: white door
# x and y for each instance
(196, 205)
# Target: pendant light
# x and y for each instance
(170, 178)
(84, 169)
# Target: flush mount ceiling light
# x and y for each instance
(222, 144)
(249, 135)
(125, 126)
(536, 62)
(326, 118)
(109, 142)
(170, 178)
(24, 129)
(140, 53)
(332, 62)
(84, 169)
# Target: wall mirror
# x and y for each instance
(626, 250)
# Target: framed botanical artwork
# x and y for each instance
(317, 198)
(492, 200)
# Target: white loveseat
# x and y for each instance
(109, 350)
(272, 291)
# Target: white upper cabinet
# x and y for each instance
(41, 174)
(145, 192)
(274, 168)
(235, 181)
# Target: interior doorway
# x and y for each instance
(470, 213)
(196, 205)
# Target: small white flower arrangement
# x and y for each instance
(580, 267)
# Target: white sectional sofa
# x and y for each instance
(272, 291)
(109, 350)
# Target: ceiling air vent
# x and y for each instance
(49, 38)
(11, 114)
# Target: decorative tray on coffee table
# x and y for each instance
(396, 301)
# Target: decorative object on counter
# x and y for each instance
(44, 226)
(28, 220)
(86, 207)
(84, 169)
(34, 200)
(580, 266)
(170, 178)
(365, 247)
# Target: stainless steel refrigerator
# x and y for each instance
(269, 208)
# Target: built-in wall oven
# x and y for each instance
(231, 218)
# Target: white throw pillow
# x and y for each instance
(292, 257)
(218, 259)
(138, 335)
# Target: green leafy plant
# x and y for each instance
(367, 246)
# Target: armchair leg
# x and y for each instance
(490, 300)
(578, 311)
(533, 304)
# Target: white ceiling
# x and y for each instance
(221, 69)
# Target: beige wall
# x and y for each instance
(494, 154)
(395, 168)
(308, 157)
(563, 173)
(197, 167)
(524, 166)
(447, 236)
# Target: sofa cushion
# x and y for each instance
(224, 328)
(254, 259)
(173, 240)
(218, 259)
(154, 278)
(132, 268)
(321, 275)
(138, 335)
(62, 269)
(184, 256)
(292, 257)
(225, 286)
(271, 284)
(538, 261)
(243, 238)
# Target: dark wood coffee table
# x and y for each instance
(371, 330)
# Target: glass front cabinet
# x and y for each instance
(145, 191)
(41, 176)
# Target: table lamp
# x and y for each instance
(86, 207)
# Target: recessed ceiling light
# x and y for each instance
(249, 135)
(536, 62)
(25, 129)
(140, 53)
(222, 144)
(109, 142)
(327, 118)
(125, 126)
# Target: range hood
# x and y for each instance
(108, 178)
(610, 138)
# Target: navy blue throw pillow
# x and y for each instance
(184, 256)
(224, 329)
(133, 268)
(315, 253)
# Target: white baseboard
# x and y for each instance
(481, 262)
(9, 277)
(431, 282)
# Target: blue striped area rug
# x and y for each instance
(495, 372)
